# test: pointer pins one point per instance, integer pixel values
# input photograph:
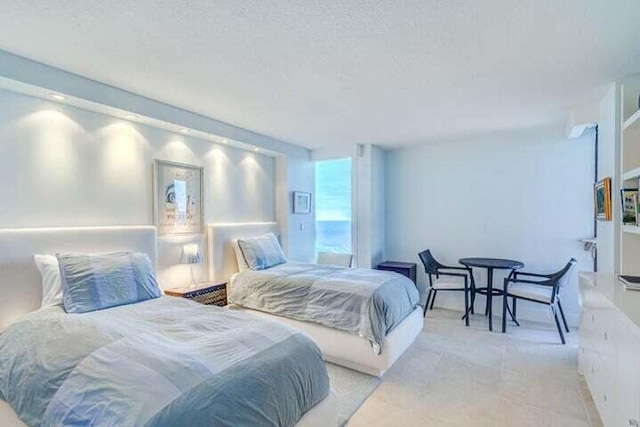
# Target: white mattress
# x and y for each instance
(352, 351)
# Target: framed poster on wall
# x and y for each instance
(602, 202)
(178, 201)
(301, 202)
(629, 197)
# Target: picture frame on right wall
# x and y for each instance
(301, 202)
(602, 199)
(629, 198)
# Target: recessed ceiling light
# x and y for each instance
(131, 116)
(224, 141)
(256, 149)
(184, 130)
(57, 96)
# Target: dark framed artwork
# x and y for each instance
(301, 202)
(178, 201)
(629, 198)
(602, 199)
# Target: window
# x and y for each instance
(333, 206)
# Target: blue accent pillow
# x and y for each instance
(95, 281)
(262, 252)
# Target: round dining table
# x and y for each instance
(490, 264)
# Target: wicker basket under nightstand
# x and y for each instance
(209, 293)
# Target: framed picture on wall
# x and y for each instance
(301, 202)
(602, 199)
(177, 200)
(629, 197)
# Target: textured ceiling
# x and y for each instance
(320, 73)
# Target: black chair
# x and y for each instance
(539, 288)
(456, 280)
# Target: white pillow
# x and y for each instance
(51, 281)
(262, 252)
(242, 264)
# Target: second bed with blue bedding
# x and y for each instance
(364, 302)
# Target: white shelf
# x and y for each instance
(634, 229)
(632, 174)
(632, 122)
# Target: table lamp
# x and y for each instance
(191, 256)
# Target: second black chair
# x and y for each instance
(539, 288)
(445, 278)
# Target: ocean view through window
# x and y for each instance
(333, 206)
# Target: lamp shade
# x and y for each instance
(191, 254)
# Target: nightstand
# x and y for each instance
(209, 293)
(405, 268)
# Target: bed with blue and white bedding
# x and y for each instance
(161, 362)
(363, 302)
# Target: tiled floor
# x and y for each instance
(467, 376)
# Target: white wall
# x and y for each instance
(298, 230)
(370, 207)
(362, 168)
(62, 166)
(378, 208)
(527, 196)
(608, 161)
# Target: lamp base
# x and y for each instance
(193, 282)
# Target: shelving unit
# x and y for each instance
(633, 229)
(603, 351)
(632, 122)
(629, 137)
(631, 175)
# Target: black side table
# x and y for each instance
(405, 268)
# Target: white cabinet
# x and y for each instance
(609, 351)
(628, 379)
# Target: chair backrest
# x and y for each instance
(562, 277)
(429, 262)
(334, 258)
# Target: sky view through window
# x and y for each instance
(333, 205)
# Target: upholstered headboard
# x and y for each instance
(222, 258)
(20, 281)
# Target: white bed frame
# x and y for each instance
(338, 347)
(20, 281)
(21, 284)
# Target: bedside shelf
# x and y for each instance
(632, 174)
(633, 229)
(632, 122)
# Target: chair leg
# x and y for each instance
(513, 308)
(473, 299)
(486, 307)
(564, 319)
(512, 313)
(505, 301)
(433, 299)
(466, 307)
(555, 316)
(473, 294)
(426, 304)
